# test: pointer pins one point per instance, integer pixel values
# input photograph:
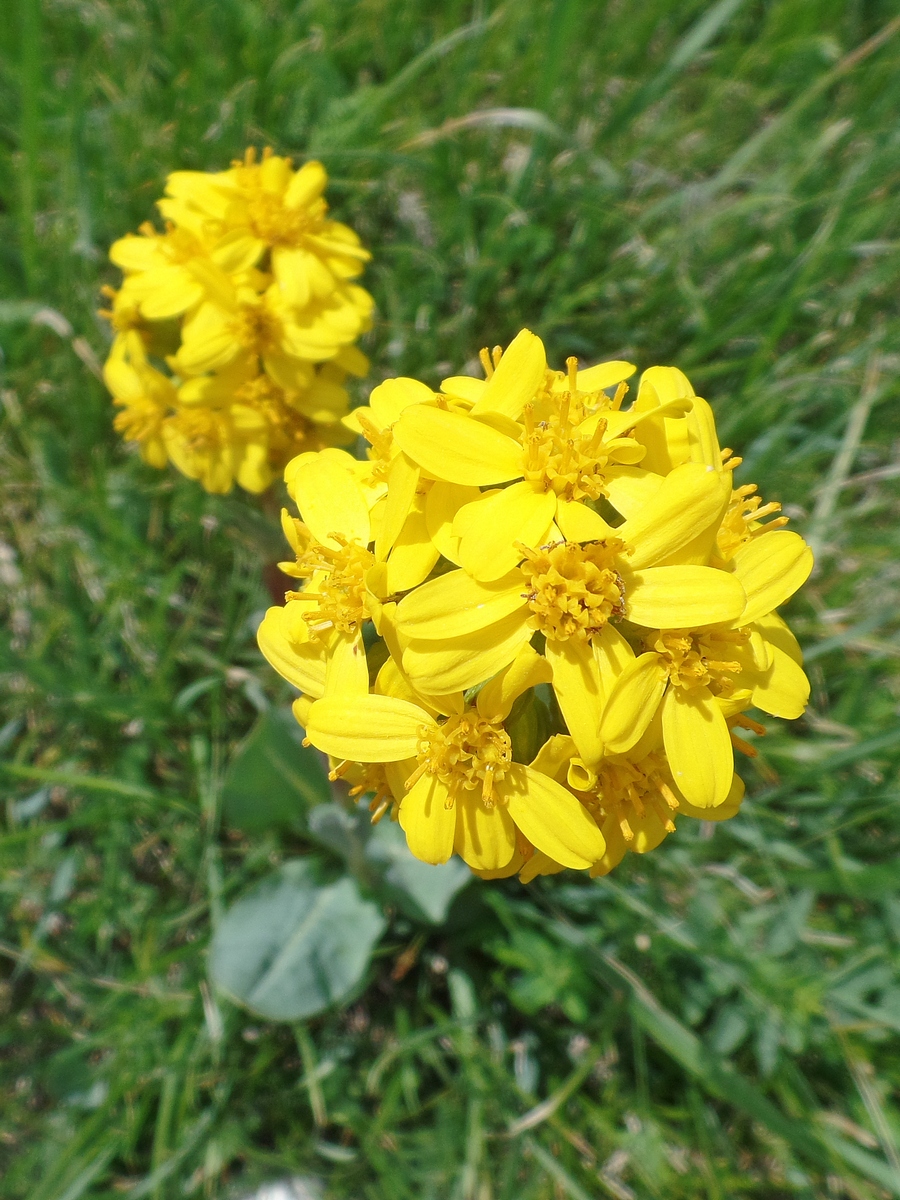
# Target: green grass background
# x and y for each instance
(715, 186)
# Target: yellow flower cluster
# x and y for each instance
(533, 621)
(248, 299)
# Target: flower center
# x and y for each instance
(467, 751)
(255, 328)
(272, 222)
(746, 506)
(629, 791)
(366, 779)
(340, 603)
(573, 588)
(556, 456)
(288, 429)
(695, 660)
(204, 431)
(139, 420)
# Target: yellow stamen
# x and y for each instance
(746, 722)
(341, 601)
(573, 589)
(467, 751)
(744, 747)
(695, 659)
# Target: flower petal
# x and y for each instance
(659, 385)
(628, 489)
(300, 663)
(390, 398)
(702, 436)
(517, 514)
(346, 671)
(442, 503)
(402, 480)
(329, 497)
(690, 499)
(771, 568)
(603, 375)
(452, 666)
(366, 728)
(776, 633)
(553, 757)
(722, 812)
(698, 745)
(485, 838)
(426, 820)
(632, 703)
(516, 378)
(616, 849)
(306, 185)
(539, 864)
(666, 440)
(783, 690)
(551, 818)
(612, 654)
(454, 447)
(578, 523)
(455, 604)
(578, 689)
(527, 670)
(414, 553)
(464, 387)
(682, 597)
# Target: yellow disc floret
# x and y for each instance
(338, 587)
(743, 519)
(631, 792)
(468, 751)
(695, 659)
(573, 588)
(557, 455)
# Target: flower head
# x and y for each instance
(248, 296)
(536, 619)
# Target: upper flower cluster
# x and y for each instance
(248, 298)
(533, 621)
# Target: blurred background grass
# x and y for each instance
(709, 185)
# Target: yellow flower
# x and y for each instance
(248, 296)
(464, 792)
(560, 436)
(699, 674)
(259, 207)
(331, 545)
(144, 395)
(286, 642)
(219, 446)
(296, 421)
(459, 631)
(417, 509)
(632, 797)
(568, 609)
(245, 316)
(636, 802)
(159, 280)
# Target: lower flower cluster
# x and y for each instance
(532, 623)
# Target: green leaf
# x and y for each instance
(292, 947)
(425, 891)
(381, 860)
(273, 778)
